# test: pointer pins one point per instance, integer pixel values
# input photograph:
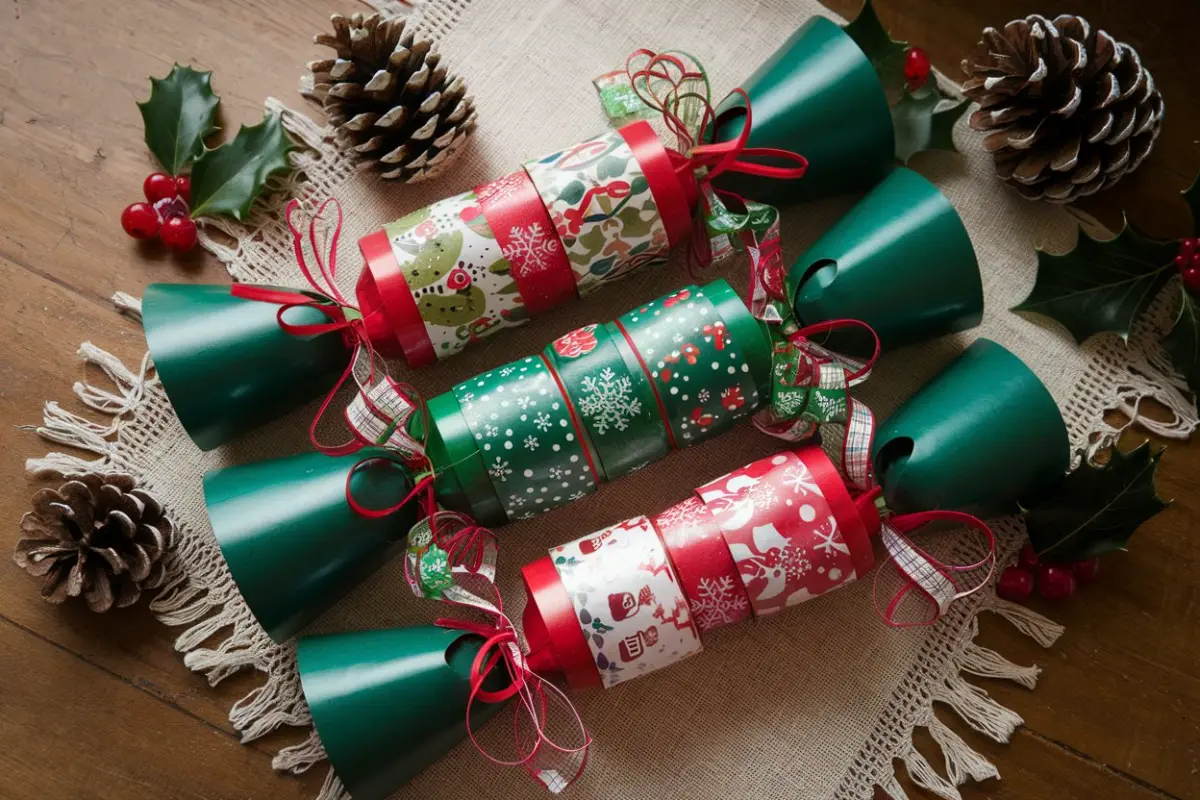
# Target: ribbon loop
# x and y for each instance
(925, 576)
(450, 558)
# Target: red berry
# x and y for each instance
(1016, 584)
(1191, 278)
(140, 221)
(183, 184)
(916, 68)
(159, 186)
(179, 233)
(1055, 582)
(1195, 259)
(1181, 261)
(1028, 559)
(1085, 571)
(1188, 246)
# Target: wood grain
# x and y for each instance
(102, 706)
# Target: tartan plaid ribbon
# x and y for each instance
(932, 582)
(379, 415)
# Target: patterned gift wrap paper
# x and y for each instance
(612, 199)
(706, 570)
(700, 371)
(614, 400)
(787, 542)
(529, 437)
(771, 534)
(627, 600)
(535, 434)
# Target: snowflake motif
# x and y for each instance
(608, 402)
(717, 603)
(524, 402)
(531, 442)
(832, 541)
(577, 496)
(467, 399)
(684, 521)
(516, 500)
(528, 514)
(506, 371)
(677, 338)
(499, 470)
(530, 249)
(556, 473)
(490, 430)
(797, 478)
(542, 422)
(703, 396)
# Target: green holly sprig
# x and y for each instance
(1105, 286)
(199, 181)
(923, 117)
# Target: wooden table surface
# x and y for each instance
(100, 706)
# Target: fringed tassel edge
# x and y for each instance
(974, 706)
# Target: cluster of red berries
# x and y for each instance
(1188, 262)
(916, 68)
(1053, 581)
(165, 213)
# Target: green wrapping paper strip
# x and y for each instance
(899, 260)
(525, 430)
(293, 544)
(388, 703)
(462, 479)
(702, 379)
(817, 95)
(515, 430)
(612, 398)
(225, 363)
(981, 437)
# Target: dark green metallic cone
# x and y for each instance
(389, 703)
(226, 365)
(983, 436)
(293, 543)
(899, 260)
(817, 95)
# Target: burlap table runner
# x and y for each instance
(814, 703)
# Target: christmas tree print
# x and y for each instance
(609, 403)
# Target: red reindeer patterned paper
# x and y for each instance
(781, 532)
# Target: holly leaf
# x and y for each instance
(1183, 342)
(226, 181)
(920, 126)
(1101, 285)
(885, 53)
(1097, 508)
(178, 115)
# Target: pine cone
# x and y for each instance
(1072, 109)
(392, 102)
(98, 536)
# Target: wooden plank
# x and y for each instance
(70, 730)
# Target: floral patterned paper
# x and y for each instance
(627, 600)
(602, 208)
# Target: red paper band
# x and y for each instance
(517, 216)
(383, 279)
(555, 640)
(845, 510)
(706, 571)
(674, 202)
